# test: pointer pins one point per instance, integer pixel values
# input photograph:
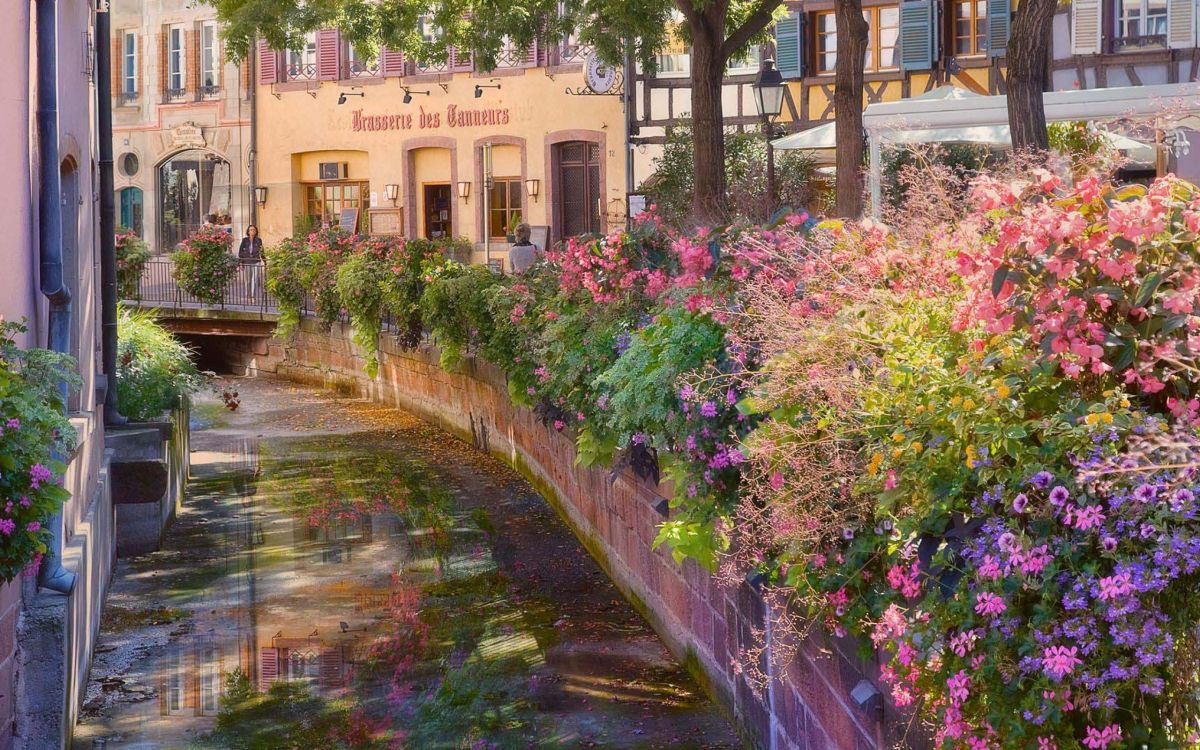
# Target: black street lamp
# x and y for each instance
(768, 100)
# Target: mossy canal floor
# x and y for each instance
(344, 575)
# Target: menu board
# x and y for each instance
(540, 236)
(349, 220)
(387, 221)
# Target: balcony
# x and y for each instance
(301, 72)
(127, 98)
(362, 69)
(174, 96)
(208, 93)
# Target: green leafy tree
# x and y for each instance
(718, 31)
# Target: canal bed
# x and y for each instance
(344, 575)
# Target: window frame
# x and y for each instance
(1122, 41)
(209, 55)
(873, 14)
(978, 42)
(302, 65)
(129, 64)
(363, 199)
(176, 60)
(513, 186)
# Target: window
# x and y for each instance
(210, 71)
(194, 187)
(324, 201)
(129, 76)
(302, 64)
(129, 164)
(357, 66)
(428, 29)
(210, 682)
(1141, 23)
(883, 49)
(970, 27)
(176, 66)
(750, 62)
(504, 205)
(176, 683)
(674, 64)
(578, 188)
(131, 210)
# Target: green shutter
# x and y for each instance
(789, 45)
(999, 22)
(916, 34)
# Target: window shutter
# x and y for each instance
(1085, 27)
(999, 25)
(391, 62)
(268, 667)
(916, 34)
(117, 63)
(137, 60)
(329, 59)
(1181, 23)
(789, 45)
(162, 62)
(268, 64)
(529, 57)
(192, 55)
(460, 61)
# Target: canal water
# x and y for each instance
(344, 575)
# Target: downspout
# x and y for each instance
(629, 95)
(253, 156)
(108, 249)
(51, 573)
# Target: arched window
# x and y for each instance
(131, 210)
(193, 189)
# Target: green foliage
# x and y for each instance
(327, 248)
(154, 371)
(1077, 139)
(403, 287)
(285, 264)
(289, 715)
(204, 266)
(34, 435)
(672, 185)
(964, 160)
(455, 308)
(641, 387)
(360, 286)
(132, 254)
(484, 700)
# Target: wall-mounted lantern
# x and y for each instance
(391, 192)
(260, 195)
(464, 190)
(532, 187)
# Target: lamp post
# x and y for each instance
(768, 100)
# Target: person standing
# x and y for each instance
(523, 253)
(250, 255)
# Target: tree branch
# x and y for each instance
(757, 21)
(688, 10)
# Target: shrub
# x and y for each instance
(327, 248)
(361, 279)
(455, 308)
(154, 371)
(285, 264)
(204, 265)
(132, 254)
(411, 264)
(34, 435)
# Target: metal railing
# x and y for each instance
(247, 289)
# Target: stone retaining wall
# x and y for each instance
(808, 705)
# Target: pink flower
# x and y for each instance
(959, 687)
(1089, 517)
(1114, 586)
(1060, 661)
(38, 474)
(1098, 739)
(989, 604)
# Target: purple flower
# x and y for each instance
(731, 397)
(1019, 503)
(1059, 495)
(1145, 493)
(7, 526)
(1042, 480)
(687, 392)
(638, 438)
(38, 474)
(33, 526)
(13, 424)
(1108, 543)
(708, 409)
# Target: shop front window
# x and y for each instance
(324, 201)
(970, 27)
(504, 206)
(194, 189)
(579, 188)
(131, 210)
(883, 35)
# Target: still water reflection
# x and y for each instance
(378, 589)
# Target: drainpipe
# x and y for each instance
(253, 157)
(51, 574)
(108, 249)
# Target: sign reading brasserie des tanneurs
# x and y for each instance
(454, 117)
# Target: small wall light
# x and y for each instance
(260, 195)
(408, 94)
(479, 87)
(391, 192)
(342, 97)
(532, 186)
(464, 190)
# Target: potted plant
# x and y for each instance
(513, 221)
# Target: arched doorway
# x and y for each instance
(578, 197)
(194, 188)
(131, 210)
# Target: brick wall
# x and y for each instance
(10, 607)
(706, 624)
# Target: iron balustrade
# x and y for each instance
(301, 72)
(247, 290)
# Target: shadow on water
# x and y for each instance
(365, 591)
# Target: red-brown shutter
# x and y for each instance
(529, 58)
(329, 57)
(391, 62)
(460, 61)
(117, 64)
(268, 64)
(192, 56)
(162, 63)
(137, 83)
(268, 668)
(331, 667)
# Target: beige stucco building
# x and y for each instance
(181, 122)
(406, 144)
